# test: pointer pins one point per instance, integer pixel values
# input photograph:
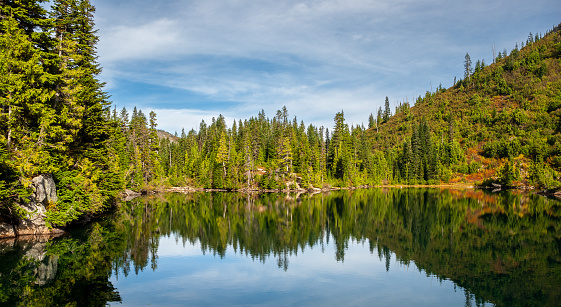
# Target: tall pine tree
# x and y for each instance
(387, 111)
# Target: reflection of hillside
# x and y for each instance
(502, 247)
(498, 250)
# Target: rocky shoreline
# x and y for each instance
(44, 193)
(128, 194)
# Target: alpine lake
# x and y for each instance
(368, 247)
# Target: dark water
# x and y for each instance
(381, 247)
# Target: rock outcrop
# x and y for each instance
(7, 229)
(44, 193)
(129, 195)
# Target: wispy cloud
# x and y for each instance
(315, 57)
(175, 120)
(152, 40)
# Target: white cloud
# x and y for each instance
(315, 57)
(156, 39)
(173, 120)
(173, 246)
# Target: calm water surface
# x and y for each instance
(383, 247)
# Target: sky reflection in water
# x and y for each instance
(186, 276)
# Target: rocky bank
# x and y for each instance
(44, 193)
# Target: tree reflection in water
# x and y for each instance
(501, 248)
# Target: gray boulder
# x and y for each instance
(44, 193)
(7, 230)
(44, 189)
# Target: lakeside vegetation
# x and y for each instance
(53, 110)
(500, 124)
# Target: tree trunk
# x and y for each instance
(9, 142)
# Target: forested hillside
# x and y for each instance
(499, 124)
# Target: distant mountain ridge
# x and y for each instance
(166, 135)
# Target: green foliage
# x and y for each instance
(509, 109)
(508, 173)
(474, 167)
(12, 192)
(78, 194)
(468, 70)
(502, 149)
(543, 175)
(557, 49)
(54, 116)
(262, 153)
(25, 117)
(419, 157)
(371, 121)
(387, 111)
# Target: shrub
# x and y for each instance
(542, 175)
(508, 173)
(474, 167)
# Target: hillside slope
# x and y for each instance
(506, 117)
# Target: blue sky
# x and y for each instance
(193, 60)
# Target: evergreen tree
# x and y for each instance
(154, 147)
(12, 191)
(285, 154)
(450, 128)
(30, 16)
(468, 71)
(371, 122)
(387, 111)
(118, 157)
(222, 154)
(24, 89)
(94, 131)
(339, 156)
(478, 66)
(67, 103)
(530, 39)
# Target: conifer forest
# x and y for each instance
(500, 124)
